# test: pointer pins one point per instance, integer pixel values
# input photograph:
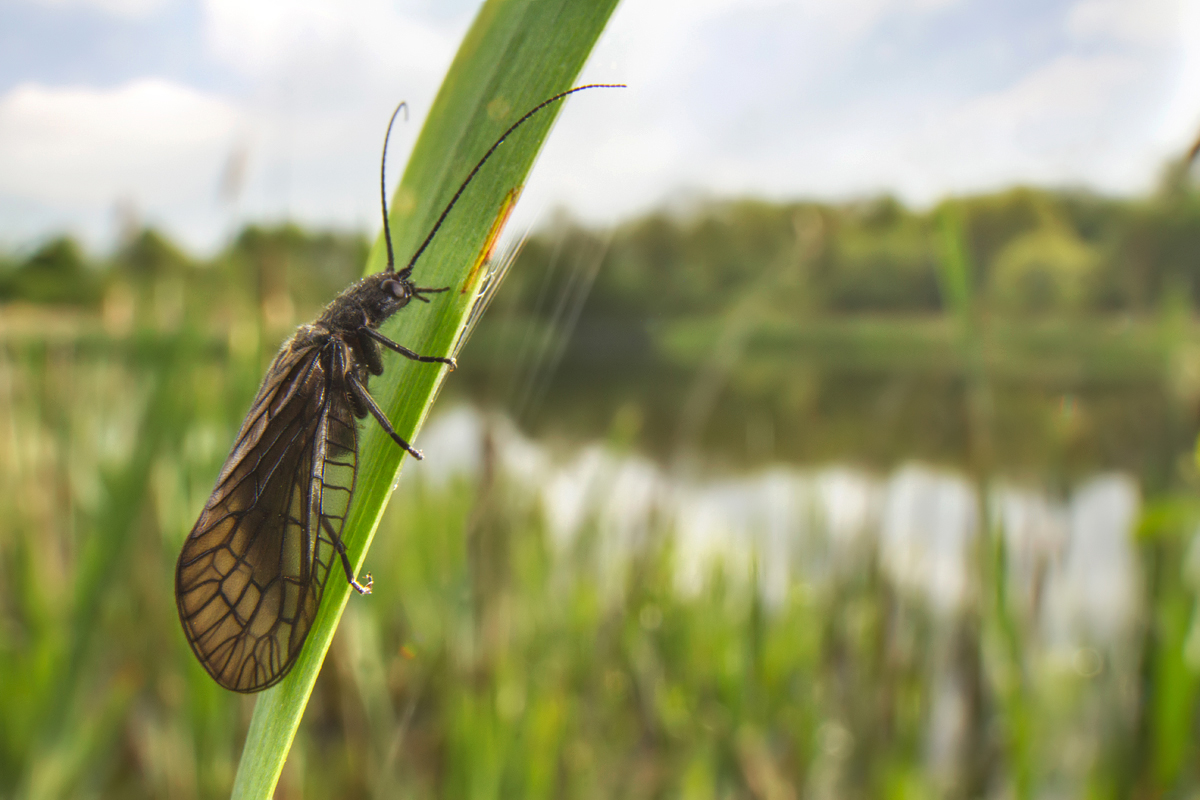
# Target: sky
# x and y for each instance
(198, 116)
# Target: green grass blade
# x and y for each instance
(517, 53)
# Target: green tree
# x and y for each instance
(56, 274)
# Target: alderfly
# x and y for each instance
(252, 571)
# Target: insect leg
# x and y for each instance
(404, 351)
(341, 548)
(365, 398)
(370, 355)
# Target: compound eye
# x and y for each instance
(394, 287)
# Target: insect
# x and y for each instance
(250, 578)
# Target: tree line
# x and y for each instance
(1030, 253)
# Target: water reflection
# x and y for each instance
(1069, 561)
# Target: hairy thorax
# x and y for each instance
(367, 302)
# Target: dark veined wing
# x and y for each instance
(252, 571)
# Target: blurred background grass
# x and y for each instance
(549, 618)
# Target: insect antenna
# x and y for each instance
(387, 231)
(404, 273)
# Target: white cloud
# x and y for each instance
(1144, 22)
(1090, 116)
(322, 79)
(1066, 122)
(1054, 110)
(704, 77)
(152, 142)
(129, 9)
(270, 38)
(933, 5)
(1179, 119)
(1073, 121)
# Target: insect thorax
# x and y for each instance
(368, 302)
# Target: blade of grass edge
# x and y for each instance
(516, 54)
